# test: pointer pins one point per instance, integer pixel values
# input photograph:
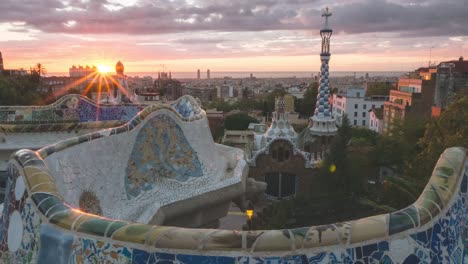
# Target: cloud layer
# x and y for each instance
(422, 18)
(396, 34)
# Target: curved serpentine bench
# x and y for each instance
(38, 224)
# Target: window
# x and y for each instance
(373, 106)
(363, 122)
(280, 185)
(372, 123)
(355, 106)
(355, 122)
(358, 95)
(355, 114)
(363, 114)
(364, 106)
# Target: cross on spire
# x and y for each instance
(326, 13)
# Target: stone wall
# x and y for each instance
(36, 224)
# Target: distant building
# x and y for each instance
(10, 72)
(205, 94)
(198, 74)
(225, 91)
(167, 87)
(288, 103)
(208, 74)
(60, 83)
(80, 71)
(239, 139)
(451, 82)
(215, 119)
(414, 97)
(356, 106)
(376, 120)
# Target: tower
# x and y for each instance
(208, 74)
(1, 63)
(119, 68)
(121, 89)
(322, 123)
(198, 74)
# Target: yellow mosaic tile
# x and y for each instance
(182, 238)
(155, 233)
(38, 178)
(369, 228)
(273, 240)
(47, 187)
(223, 240)
(135, 233)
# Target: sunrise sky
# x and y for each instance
(231, 35)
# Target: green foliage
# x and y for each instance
(449, 130)
(337, 157)
(218, 134)
(379, 88)
(306, 106)
(363, 136)
(242, 105)
(20, 90)
(239, 121)
(271, 98)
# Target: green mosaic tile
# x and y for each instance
(95, 226)
(403, 220)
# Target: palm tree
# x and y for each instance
(37, 71)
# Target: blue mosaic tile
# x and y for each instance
(55, 245)
(186, 259)
(160, 150)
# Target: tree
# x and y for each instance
(379, 88)
(308, 103)
(19, 90)
(336, 165)
(37, 71)
(449, 130)
(239, 121)
(272, 97)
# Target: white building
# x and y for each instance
(81, 71)
(376, 120)
(356, 106)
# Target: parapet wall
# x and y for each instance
(38, 225)
(69, 108)
(67, 113)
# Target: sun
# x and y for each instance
(103, 68)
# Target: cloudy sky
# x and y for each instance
(231, 35)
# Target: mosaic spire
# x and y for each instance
(322, 121)
(323, 106)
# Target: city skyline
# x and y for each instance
(260, 35)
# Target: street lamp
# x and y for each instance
(249, 212)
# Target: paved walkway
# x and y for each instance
(234, 220)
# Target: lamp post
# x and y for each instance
(249, 212)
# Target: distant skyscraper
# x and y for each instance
(198, 74)
(323, 123)
(208, 74)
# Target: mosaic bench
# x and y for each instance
(39, 226)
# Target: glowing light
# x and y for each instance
(103, 68)
(249, 213)
(332, 168)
